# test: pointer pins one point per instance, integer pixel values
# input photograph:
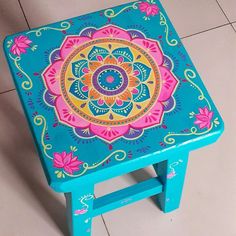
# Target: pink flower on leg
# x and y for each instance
(149, 9)
(20, 44)
(203, 119)
(67, 162)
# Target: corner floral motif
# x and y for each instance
(67, 162)
(148, 7)
(21, 43)
(204, 119)
(19, 46)
(119, 84)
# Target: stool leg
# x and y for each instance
(172, 174)
(79, 204)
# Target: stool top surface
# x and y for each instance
(104, 89)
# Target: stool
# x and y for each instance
(106, 94)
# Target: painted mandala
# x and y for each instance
(110, 83)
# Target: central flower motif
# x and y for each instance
(109, 83)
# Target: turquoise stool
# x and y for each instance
(108, 93)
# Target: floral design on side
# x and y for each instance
(85, 207)
(67, 162)
(19, 46)
(110, 83)
(21, 43)
(149, 8)
(204, 118)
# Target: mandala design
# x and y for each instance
(110, 83)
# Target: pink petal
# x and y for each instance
(75, 163)
(72, 42)
(206, 111)
(112, 32)
(149, 11)
(51, 77)
(202, 117)
(68, 158)
(143, 6)
(197, 122)
(169, 83)
(151, 118)
(203, 125)
(152, 47)
(17, 51)
(109, 133)
(58, 160)
(208, 125)
(201, 111)
(63, 109)
(68, 170)
(23, 45)
(211, 115)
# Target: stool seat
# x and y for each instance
(108, 93)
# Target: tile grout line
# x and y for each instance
(104, 222)
(231, 23)
(105, 225)
(21, 7)
(9, 90)
(205, 31)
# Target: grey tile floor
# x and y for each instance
(29, 208)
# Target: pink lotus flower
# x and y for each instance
(204, 118)
(20, 44)
(66, 161)
(149, 9)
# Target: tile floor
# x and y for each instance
(29, 208)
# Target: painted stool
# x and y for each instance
(108, 93)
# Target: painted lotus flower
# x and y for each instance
(110, 83)
(67, 162)
(204, 118)
(148, 8)
(21, 43)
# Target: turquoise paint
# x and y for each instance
(166, 143)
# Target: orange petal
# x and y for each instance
(109, 100)
(93, 66)
(127, 67)
(93, 94)
(126, 95)
(110, 60)
(87, 79)
(133, 81)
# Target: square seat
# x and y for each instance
(109, 92)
